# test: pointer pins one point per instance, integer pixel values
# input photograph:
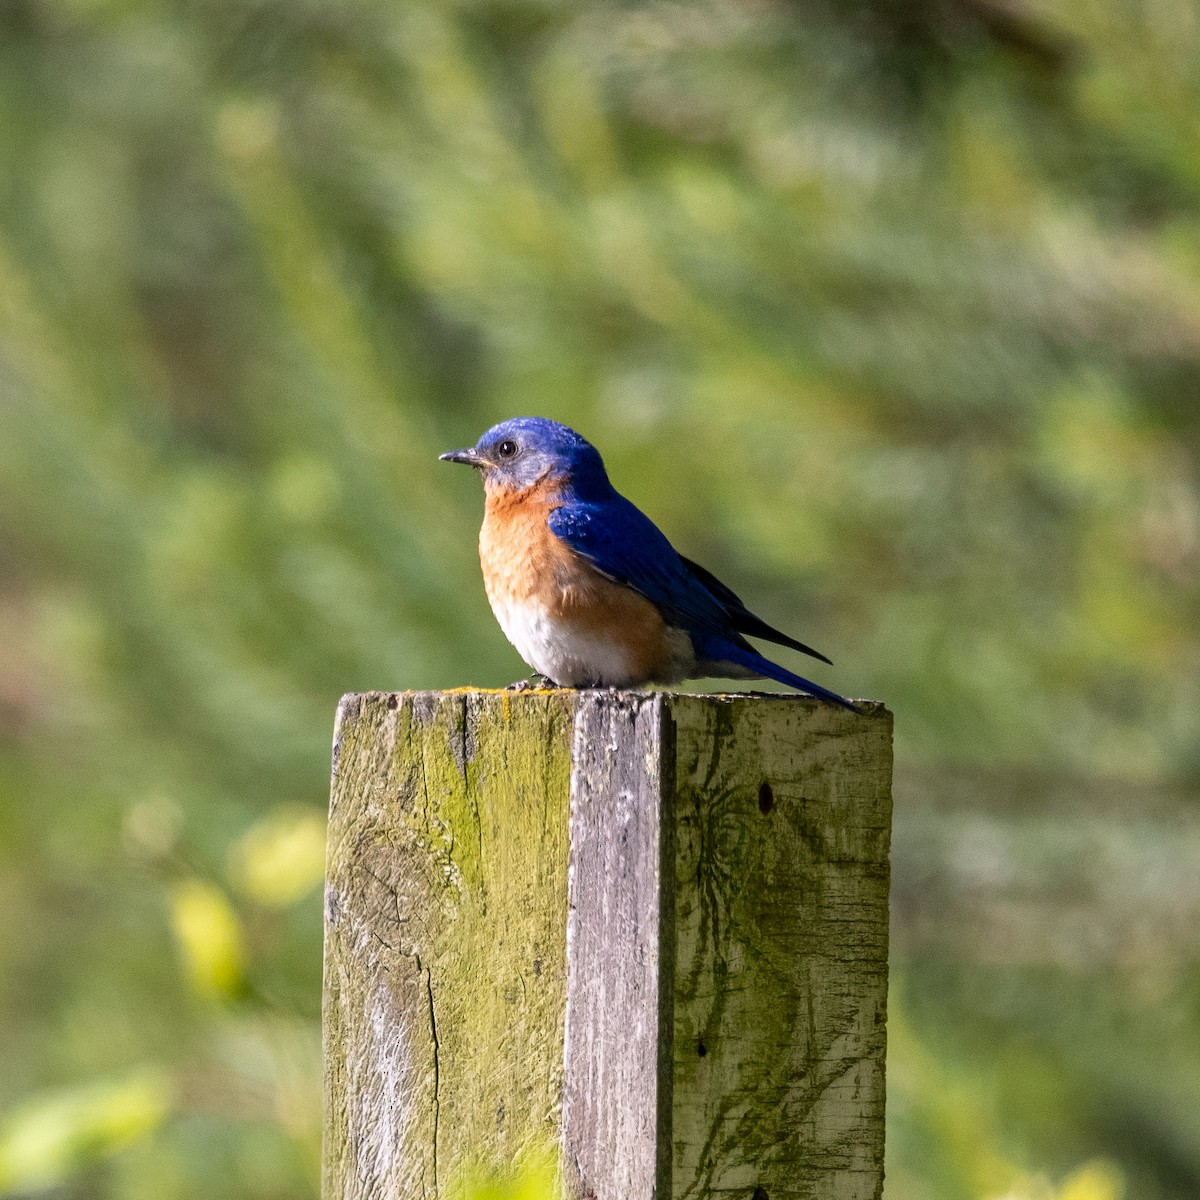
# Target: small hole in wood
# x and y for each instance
(393, 701)
(760, 1193)
(701, 1049)
(766, 799)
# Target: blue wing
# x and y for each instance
(620, 541)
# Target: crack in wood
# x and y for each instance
(437, 1072)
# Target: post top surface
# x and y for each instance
(869, 708)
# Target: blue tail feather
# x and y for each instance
(750, 659)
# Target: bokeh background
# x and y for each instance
(889, 312)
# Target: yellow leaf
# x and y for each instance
(1095, 1180)
(50, 1137)
(209, 936)
(282, 858)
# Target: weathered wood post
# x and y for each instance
(645, 930)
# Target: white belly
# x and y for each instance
(572, 657)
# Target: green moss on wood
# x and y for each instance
(781, 923)
(446, 951)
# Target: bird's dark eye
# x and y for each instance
(507, 448)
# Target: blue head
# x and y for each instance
(518, 453)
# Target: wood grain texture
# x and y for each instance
(445, 950)
(707, 955)
(783, 823)
(616, 1106)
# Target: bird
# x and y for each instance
(588, 589)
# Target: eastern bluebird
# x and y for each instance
(586, 586)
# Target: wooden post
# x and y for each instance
(643, 932)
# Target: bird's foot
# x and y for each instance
(534, 682)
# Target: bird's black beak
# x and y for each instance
(472, 457)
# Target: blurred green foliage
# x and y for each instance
(888, 312)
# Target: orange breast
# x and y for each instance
(526, 568)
